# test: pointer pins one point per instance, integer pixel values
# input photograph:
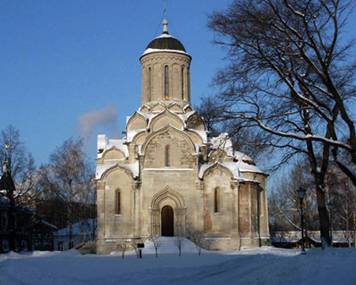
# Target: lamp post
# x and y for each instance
(301, 194)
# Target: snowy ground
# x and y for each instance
(261, 266)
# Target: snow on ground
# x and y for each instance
(266, 265)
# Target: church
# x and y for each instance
(167, 177)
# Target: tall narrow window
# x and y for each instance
(188, 85)
(182, 82)
(166, 156)
(216, 200)
(149, 84)
(118, 202)
(166, 82)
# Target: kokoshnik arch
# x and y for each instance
(167, 177)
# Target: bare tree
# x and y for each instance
(21, 166)
(196, 237)
(122, 247)
(283, 209)
(179, 240)
(288, 77)
(68, 177)
(156, 243)
(209, 110)
(244, 139)
(342, 203)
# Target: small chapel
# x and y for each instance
(167, 177)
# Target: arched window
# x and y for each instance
(166, 156)
(166, 82)
(149, 84)
(216, 200)
(117, 202)
(182, 76)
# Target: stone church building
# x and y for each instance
(166, 177)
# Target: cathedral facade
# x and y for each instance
(166, 177)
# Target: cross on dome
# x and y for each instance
(165, 26)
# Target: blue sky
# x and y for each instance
(60, 60)
(63, 59)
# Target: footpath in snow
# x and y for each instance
(265, 265)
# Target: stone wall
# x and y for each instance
(153, 69)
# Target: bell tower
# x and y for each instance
(165, 70)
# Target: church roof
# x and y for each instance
(166, 42)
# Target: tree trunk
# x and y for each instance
(323, 218)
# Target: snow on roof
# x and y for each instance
(246, 167)
(119, 144)
(223, 142)
(131, 134)
(101, 168)
(231, 166)
(164, 35)
(235, 167)
(83, 227)
(101, 142)
(241, 156)
(132, 167)
(104, 144)
(202, 134)
(152, 50)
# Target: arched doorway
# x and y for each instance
(167, 221)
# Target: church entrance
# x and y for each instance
(167, 221)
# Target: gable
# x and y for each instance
(164, 119)
(136, 122)
(180, 147)
(114, 154)
(195, 122)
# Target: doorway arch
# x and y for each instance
(173, 199)
(167, 221)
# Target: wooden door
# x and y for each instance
(167, 221)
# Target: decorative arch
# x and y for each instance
(196, 137)
(139, 138)
(167, 194)
(165, 129)
(215, 166)
(136, 121)
(168, 198)
(115, 167)
(113, 153)
(194, 121)
(165, 118)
